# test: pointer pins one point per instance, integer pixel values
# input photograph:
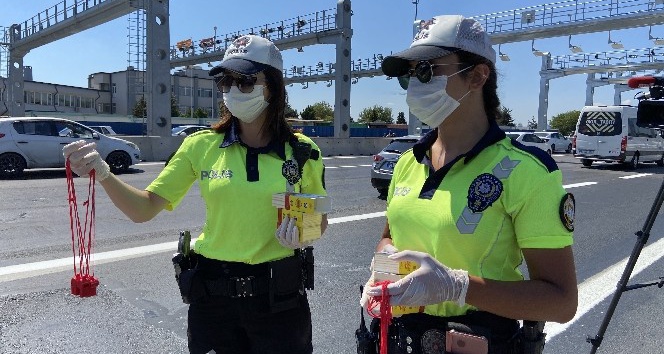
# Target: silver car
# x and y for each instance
(384, 161)
(36, 142)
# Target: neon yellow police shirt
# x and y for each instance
(240, 221)
(478, 212)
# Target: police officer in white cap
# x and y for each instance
(468, 205)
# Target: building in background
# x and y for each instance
(114, 93)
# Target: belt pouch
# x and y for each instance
(285, 283)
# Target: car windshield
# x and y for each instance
(399, 146)
(542, 135)
(177, 130)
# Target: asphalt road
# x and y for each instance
(138, 308)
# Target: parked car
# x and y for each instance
(184, 130)
(556, 140)
(384, 161)
(104, 129)
(530, 139)
(36, 142)
(610, 134)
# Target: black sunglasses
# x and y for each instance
(423, 71)
(243, 83)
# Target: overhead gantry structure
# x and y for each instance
(69, 17)
(332, 26)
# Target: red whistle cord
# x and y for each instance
(385, 313)
(83, 283)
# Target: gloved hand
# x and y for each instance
(288, 234)
(430, 284)
(83, 158)
(364, 300)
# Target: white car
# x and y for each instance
(37, 142)
(530, 139)
(104, 129)
(556, 140)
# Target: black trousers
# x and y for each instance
(247, 325)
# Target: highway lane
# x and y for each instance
(138, 308)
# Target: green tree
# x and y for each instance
(175, 111)
(200, 113)
(565, 122)
(289, 112)
(321, 110)
(401, 118)
(140, 109)
(532, 123)
(376, 114)
(505, 117)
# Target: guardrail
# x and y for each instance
(310, 23)
(56, 14)
(562, 12)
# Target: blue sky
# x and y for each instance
(379, 26)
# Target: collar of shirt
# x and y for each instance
(232, 136)
(492, 136)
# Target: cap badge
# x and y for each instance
(424, 29)
(483, 192)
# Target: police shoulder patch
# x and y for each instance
(567, 211)
(483, 192)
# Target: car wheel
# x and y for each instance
(11, 165)
(118, 161)
(569, 148)
(587, 162)
(634, 163)
(660, 162)
(553, 147)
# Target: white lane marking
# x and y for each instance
(356, 217)
(582, 184)
(602, 285)
(28, 270)
(150, 163)
(636, 175)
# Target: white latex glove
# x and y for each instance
(431, 283)
(288, 234)
(84, 158)
(364, 300)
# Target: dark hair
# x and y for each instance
(275, 123)
(490, 89)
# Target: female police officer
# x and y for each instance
(246, 292)
(469, 204)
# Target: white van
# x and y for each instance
(36, 142)
(610, 133)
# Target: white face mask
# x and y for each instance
(246, 106)
(430, 102)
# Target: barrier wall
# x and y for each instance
(155, 148)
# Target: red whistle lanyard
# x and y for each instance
(83, 283)
(385, 313)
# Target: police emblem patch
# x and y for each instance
(567, 211)
(433, 342)
(290, 171)
(483, 191)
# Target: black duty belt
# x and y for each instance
(241, 280)
(238, 287)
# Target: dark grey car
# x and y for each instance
(384, 161)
